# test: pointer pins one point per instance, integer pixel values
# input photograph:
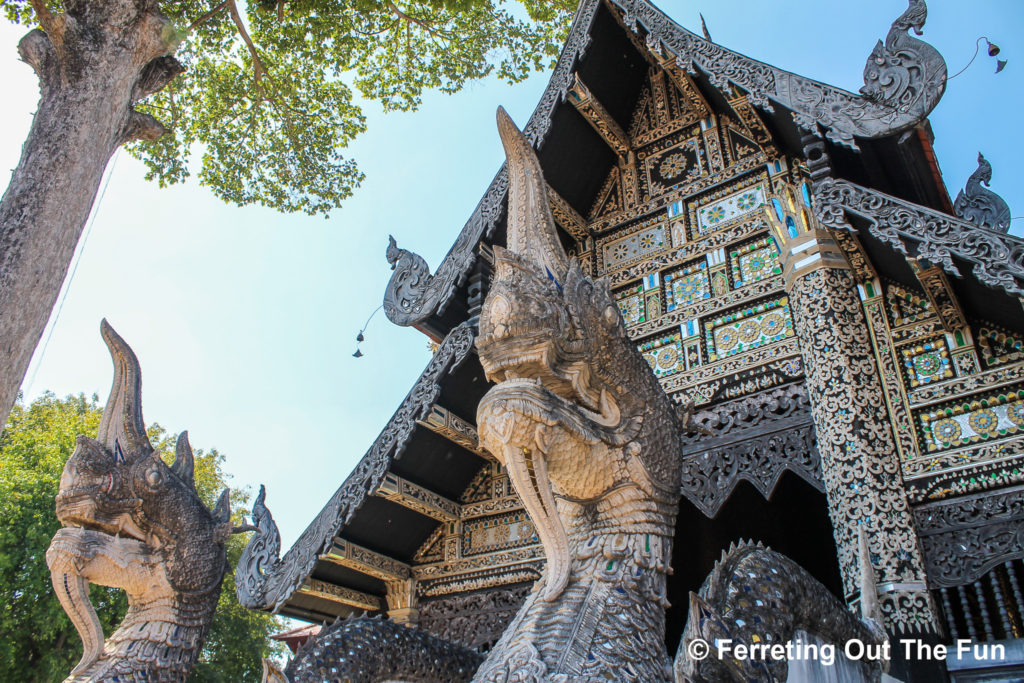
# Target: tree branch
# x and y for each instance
(411, 20)
(142, 127)
(36, 50)
(207, 16)
(43, 14)
(257, 63)
(155, 76)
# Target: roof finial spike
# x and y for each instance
(704, 28)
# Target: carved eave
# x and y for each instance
(418, 499)
(598, 117)
(755, 439)
(347, 554)
(452, 427)
(346, 598)
(610, 48)
(965, 537)
(843, 116)
(987, 265)
(402, 489)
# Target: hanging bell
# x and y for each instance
(357, 354)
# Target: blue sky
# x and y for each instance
(244, 319)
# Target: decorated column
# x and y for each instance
(859, 461)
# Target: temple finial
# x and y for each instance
(704, 29)
(531, 227)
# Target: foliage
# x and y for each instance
(37, 641)
(267, 100)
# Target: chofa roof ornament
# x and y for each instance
(982, 206)
(902, 90)
(903, 80)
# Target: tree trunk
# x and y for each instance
(94, 62)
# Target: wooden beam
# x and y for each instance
(347, 554)
(567, 217)
(452, 427)
(940, 295)
(598, 117)
(693, 101)
(415, 497)
(341, 595)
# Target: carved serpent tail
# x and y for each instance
(371, 649)
(756, 595)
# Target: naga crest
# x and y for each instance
(577, 416)
(130, 521)
(982, 206)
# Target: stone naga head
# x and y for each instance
(589, 438)
(132, 522)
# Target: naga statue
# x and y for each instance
(592, 445)
(132, 522)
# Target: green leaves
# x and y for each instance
(37, 641)
(266, 105)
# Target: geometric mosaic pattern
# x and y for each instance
(754, 262)
(906, 306)
(748, 329)
(711, 217)
(664, 354)
(687, 285)
(497, 532)
(631, 303)
(998, 347)
(634, 247)
(641, 302)
(974, 421)
(926, 363)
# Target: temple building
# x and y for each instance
(786, 256)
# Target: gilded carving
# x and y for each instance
(598, 117)
(861, 473)
(997, 259)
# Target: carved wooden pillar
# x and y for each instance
(403, 607)
(859, 460)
